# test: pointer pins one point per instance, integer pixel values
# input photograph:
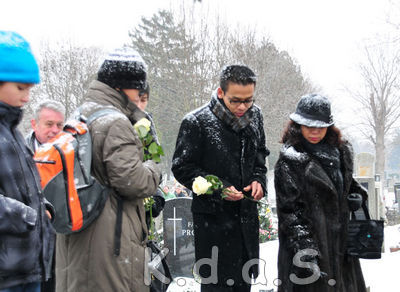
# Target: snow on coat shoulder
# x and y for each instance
(290, 153)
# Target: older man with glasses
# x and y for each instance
(225, 138)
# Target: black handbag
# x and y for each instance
(364, 237)
(156, 284)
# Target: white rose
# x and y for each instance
(144, 123)
(200, 185)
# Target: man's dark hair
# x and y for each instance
(145, 90)
(238, 74)
(292, 135)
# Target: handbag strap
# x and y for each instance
(366, 212)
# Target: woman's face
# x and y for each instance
(313, 135)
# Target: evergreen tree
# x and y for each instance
(170, 54)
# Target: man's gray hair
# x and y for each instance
(49, 104)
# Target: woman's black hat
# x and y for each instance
(314, 111)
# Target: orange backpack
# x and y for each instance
(64, 165)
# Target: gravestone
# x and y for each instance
(364, 165)
(179, 236)
(374, 197)
(364, 168)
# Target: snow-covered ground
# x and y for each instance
(383, 275)
(380, 275)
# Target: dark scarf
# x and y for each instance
(329, 158)
(224, 114)
(11, 114)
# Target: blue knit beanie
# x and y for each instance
(17, 63)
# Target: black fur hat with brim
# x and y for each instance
(313, 111)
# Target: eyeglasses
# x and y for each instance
(236, 102)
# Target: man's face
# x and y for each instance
(237, 98)
(133, 95)
(50, 123)
(143, 101)
(15, 94)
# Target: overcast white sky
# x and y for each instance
(324, 36)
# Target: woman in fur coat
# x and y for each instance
(313, 179)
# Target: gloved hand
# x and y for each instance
(159, 203)
(354, 201)
(158, 206)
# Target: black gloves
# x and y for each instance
(158, 206)
(354, 201)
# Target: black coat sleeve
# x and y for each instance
(260, 168)
(188, 152)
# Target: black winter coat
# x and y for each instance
(26, 234)
(313, 215)
(208, 144)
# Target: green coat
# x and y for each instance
(85, 260)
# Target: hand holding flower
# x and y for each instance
(212, 183)
(256, 190)
(232, 194)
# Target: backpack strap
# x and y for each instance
(100, 113)
(118, 226)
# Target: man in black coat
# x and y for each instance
(225, 138)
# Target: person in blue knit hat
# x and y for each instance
(26, 234)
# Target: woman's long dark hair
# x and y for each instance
(292, 135)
